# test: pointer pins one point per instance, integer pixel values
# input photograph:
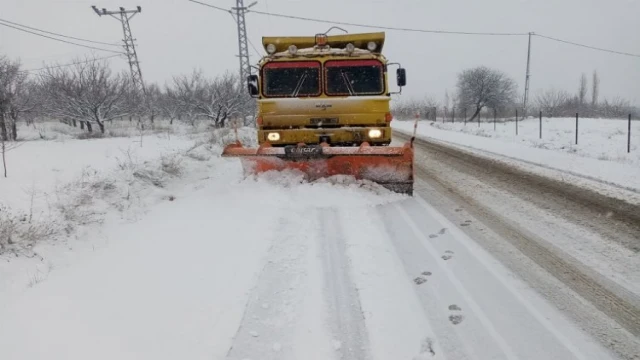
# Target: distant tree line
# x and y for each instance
(483, 90)
(89, 94)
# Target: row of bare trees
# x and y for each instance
(89, 94)
(562, 103)
(480, 89)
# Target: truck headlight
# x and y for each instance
(273, 136)
(375, 133)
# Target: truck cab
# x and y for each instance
(324, 89)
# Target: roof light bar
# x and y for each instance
(321, 39)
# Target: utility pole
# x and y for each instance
(238, 14)
(124, 16)
(526, 82)
(243, 48)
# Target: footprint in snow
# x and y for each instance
(455, 318)
(419, 280)
(447, 255)
(441, 232)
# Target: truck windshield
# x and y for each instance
(291, 79)
(354, 77)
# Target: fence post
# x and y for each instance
(495, 115)
(629, 136)
(540, 124)
(465, 116)
(576, 128)
(516, 122)
(453, 117)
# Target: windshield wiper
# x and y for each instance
(299, 85)
(347, 82)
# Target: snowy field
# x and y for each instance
(166, 251)
(602, 139)
(601, 154)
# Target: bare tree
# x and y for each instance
(551, 102)
(26, 104)
(482, 87)
(153, 99)
(12, 87)
(169, 105)
(595, 88)
(214, 99)
(582, 89)
(616, 108)
(447, 101)
(182, 93)
(87, 92)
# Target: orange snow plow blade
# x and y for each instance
(391, 167)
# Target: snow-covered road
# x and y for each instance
(277, 269)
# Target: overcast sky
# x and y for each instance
(175, 36)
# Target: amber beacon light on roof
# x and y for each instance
(324, 109)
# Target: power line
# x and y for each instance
(212, 6)
(70, 64)
(439, 31)
(423, 30)
(587, 46)
(234, 19)
(386, 27)
(64, 41)
(52, 33)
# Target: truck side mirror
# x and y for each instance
(401, 76)
(252, 84)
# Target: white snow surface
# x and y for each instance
(599, 161)
(218, 266)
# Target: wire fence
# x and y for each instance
(513, 121)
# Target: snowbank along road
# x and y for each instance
(480, 264)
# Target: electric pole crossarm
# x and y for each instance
(116, 12)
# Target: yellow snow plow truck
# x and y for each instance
(323, 109)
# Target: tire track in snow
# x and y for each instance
(460, 237)
(345, 313)
(466, 296)
(277, 302)
(434, 293)
(398, 326)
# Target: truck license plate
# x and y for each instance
(303, 151)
